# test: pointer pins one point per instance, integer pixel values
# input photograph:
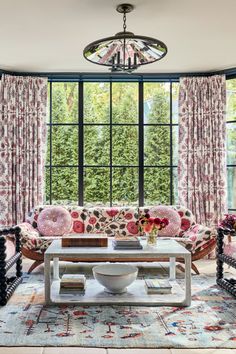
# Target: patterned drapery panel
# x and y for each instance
(202, 147)
(22, 145)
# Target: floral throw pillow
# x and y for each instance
(112, 221)
(78, 216)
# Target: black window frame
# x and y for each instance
(140, 124)
(231, 210)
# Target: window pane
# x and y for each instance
(175, 102)
(48, 146)
(125, 186)
(64, 185)
(231, 143)
(47, 185)
(156, 186)
(96, 186)
(156, 103)
(96, 102)
(231, 99)
(156, 145)
(64, 102)
(48, 103)
(175, 186)
(124, 145)
(96, 145)
(231, 187)
(65, 145)
(175, 146)
(125, 102)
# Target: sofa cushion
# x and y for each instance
(54, 221)
(187, 218)
(163, 211)
(78, 216)
(122, 220)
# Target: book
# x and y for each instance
(127, 239)
(84, 240)
(73, 282)
(126, 246)
(158, 286)
(126, 242)
(72, 291)
(74, 278)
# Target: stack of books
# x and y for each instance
(73, 284)
(126, 243)
(157, 286)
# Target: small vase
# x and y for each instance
(152, 238)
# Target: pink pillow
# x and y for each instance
(172, 229)
(54, 221)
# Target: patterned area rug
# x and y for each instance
(209, 322)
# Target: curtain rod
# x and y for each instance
(86, 76)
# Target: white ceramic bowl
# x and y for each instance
(115, 277)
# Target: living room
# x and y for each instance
(118, 177)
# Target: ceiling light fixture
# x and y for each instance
(125, 51)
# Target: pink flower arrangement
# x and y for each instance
(229, 222)
(150, 224)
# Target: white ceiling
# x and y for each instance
(49, 35)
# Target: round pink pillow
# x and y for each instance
(54, 221)
(162, 211)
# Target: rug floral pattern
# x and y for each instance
(209, 322)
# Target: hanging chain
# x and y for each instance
(124, 20)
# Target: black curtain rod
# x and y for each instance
(87, 76)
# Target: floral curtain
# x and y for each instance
(22, 143)
(202, 147)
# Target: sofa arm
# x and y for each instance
(199, 236)
(29, 234)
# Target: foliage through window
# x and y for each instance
(231, 143)
(112, 143)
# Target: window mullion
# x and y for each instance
(81, 144)
(141, 144)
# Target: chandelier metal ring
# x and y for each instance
(125, 51)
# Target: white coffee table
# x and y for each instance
(136, 293)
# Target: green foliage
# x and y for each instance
(97, 143)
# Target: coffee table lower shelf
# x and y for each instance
(135, 295)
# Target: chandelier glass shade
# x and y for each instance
(125, 51)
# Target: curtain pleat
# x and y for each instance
(202, 147)
(23, 103)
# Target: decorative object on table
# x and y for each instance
(158, 286)
(151, 226)
(54, 221)
(126, 243)
(125, 51)
(84, 240)
(72, 284)
(9, 284)
(229, 222)
(227, 228)
(115, 277)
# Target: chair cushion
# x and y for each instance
(199, 236)
(162, 211)
(54, 221)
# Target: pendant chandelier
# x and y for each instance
(125, 51)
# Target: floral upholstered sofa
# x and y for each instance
(198, 239)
